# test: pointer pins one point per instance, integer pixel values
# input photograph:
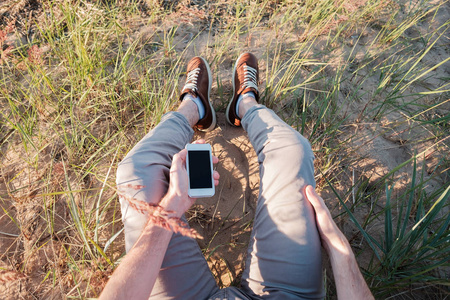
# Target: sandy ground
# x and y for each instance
(225, 220)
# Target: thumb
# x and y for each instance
(179, 160)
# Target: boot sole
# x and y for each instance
(214, 120)
(227, 113)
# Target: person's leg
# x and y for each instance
(184, 273)
(284, 255)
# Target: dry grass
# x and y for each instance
(156, 214)
(367, 82)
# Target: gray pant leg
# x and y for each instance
(284, 255)
(184, 273)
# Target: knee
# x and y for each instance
(302, 142)
(305, 145)
(291, 154)
(293, 145)
(142, 179)
(125, 172)
(301, 151)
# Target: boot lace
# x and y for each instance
(249, 78)
(191, 81)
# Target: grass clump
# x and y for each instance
(82, 81)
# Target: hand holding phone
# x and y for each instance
(199, 165)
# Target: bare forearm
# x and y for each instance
(137, 273)
(350, 283)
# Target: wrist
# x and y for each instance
(338, 249)
(173, 202)
(342, 258)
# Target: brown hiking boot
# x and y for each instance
(245, 79)
(198, 83)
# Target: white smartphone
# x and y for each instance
(199, 167)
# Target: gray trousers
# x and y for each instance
(284, 253)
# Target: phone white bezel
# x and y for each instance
(206, 192)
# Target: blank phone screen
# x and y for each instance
(199, 169)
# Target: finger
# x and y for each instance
(317, 202)
(216, 175)
(216, 182)
(313, 197)
(176, 160)
(183, 154)
(199, 141)
(215, 159)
